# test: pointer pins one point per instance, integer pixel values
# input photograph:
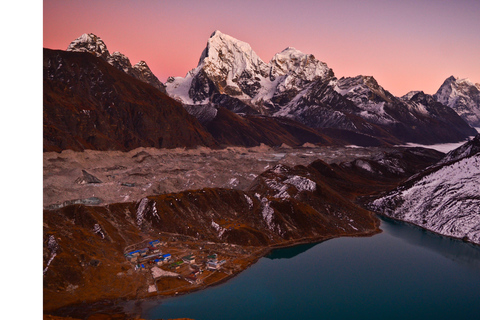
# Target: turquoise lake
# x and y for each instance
(402, 273)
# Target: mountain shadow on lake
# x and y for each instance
(288, 253)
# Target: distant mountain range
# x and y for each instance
(240, 100)
(297, 86)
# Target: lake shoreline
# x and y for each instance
(121, 305)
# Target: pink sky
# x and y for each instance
(406, 45)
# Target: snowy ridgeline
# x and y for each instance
(446, 201)
(300, 183)
(234, 62)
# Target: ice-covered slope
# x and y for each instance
(444, 199)
(463, 96)
(89, 42)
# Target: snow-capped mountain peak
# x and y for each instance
(299, 64)
(89, 42)
(298, 86)
(120, 61)
(231, 67)
(463, 96)
(410, 95)
(220, 44)
(231, 63)
(227, 66)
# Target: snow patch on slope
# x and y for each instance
(53, 246)
(268, 213)
(141, 210)
(220, 230)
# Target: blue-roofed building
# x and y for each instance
(154, 242)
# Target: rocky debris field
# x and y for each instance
(104, 177)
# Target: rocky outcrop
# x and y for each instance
(87, 178)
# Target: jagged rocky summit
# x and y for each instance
(89, 42)
(230, 67)
(443, 198)
(299, 87)
(463, 96)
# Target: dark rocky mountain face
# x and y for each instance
(229, 128)
(361, 105)
(88, 104)
(444, 122)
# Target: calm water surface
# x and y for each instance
(402, 273)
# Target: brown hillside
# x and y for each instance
(88, 104)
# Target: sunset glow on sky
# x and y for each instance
(406, 45)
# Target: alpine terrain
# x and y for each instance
(89, 104)
(444, 198)
(155, 189)
(298, 86)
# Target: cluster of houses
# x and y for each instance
(151, 254)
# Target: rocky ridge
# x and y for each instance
(82, 93)
(89, 42)
(89, 104)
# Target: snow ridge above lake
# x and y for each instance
(446, 201)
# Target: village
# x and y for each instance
(179, 264)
